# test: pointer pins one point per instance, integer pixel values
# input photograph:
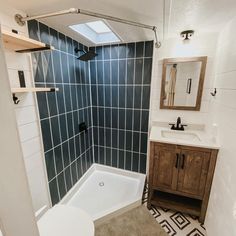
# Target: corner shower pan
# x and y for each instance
(104, 192)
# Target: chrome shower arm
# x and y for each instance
(21, 20)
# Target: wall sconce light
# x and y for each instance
(187, 34)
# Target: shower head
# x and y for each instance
(88, 55)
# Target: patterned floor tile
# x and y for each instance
(175, 223)
(180, 220)
(167, 227)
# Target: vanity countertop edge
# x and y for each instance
(205, 142)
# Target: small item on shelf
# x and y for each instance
(21, 78)
(14, 31)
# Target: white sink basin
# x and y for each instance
(180, 135)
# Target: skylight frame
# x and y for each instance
(112, 32)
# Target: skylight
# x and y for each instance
(99, 27)
(97, 32)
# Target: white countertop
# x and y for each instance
(204, 142)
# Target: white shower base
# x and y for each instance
(106, 191)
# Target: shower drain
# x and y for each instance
(101, 184)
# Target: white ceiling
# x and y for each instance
(170, 16)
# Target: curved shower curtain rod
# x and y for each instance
(21, 20)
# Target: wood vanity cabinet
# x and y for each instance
(180, 177)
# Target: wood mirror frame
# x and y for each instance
(200, 84)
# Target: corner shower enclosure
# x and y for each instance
(110, 94)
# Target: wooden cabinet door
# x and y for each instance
(193, 171)
(165, 168)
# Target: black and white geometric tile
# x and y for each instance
(175, 223)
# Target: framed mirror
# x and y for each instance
(182, 83)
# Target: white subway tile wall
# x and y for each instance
(221, 215)
(221, 110)
(204, 45)
(26, 115)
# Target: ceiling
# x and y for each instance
(170, 16)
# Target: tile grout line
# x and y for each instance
(141, 105)
(119, 149)
(91, 111)
(64, 113)
(104, 102)
(87, 104)
(98, 118)
(132, 146)
(85, 93)
(69, 77)
(103, 84)
(72, 137)
(53, 72)
(77, 104)
(67, 132)
(121, 59)
(82, 103)
(111, 105)
(76, 159)
(118, 105)
(49, 119)
(125, 87)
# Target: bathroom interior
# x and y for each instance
(117, 118)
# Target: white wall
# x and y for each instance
(16, 209)
(200, 45)
(220, 110)
(26, 114)
(221, 214)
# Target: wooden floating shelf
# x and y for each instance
(28, 90)
(22, 44)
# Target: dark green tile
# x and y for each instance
(54, 192)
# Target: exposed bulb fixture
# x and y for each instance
(187, 34)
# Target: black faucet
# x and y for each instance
(178, 125)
